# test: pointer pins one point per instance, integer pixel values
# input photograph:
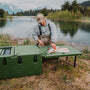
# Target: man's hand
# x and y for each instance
(40, 42)
(53, 46)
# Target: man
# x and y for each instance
(45, 32)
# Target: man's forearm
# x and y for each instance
(40, 42)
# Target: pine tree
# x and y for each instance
(1, 13)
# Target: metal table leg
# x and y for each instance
(75, 61)
(66, 58)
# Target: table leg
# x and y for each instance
(75, 61)
(66, 58)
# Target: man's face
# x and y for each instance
(44, 22)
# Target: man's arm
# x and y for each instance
(35, 37)
(40, 42)
(53, 33)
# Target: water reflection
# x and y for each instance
(69, 31)
(3, 23)
(85, 27)
(69, 27)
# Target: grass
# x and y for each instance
(6, 40)
(85, 55)
(28, 42)
(56, 74)
(8, 17)
(85, 18)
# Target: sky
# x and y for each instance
(32, 4)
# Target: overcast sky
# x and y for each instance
(31, 4)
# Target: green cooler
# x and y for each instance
(17, 61)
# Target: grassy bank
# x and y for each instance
(8, 40)
(8, 17)
(84, 19)
(56, 74)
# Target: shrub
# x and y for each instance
(64, 15)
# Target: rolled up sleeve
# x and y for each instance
(53, 32)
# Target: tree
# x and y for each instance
(44, 11)
(74, 6)
(66, 6)
(1, 13)
(13, 13)
(19, 14)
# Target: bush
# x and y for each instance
(64, 15)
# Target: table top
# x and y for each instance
(72, 52)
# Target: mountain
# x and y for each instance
(10, 8)
(85, 4)
(38, 8)
(47, 7)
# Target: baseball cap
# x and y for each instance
(40, 18)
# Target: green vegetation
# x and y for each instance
(27, 42)
(64, 15)
(45, 11)
(85, 55)
(3, 14)
(85, 18)
(6, 40)
(85, 11)
(69, 12)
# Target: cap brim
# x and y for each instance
(40, 21)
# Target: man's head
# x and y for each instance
(41, 19)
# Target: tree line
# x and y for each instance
(70, 12)
(3, 13)
(45, 11)
(74, 7)
(85, 11)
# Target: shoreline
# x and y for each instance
(20, 41)
(2, 18)
(87, 21)
(77, 20)
(84, 21)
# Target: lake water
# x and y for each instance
(73, 32)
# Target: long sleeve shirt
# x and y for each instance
(45, 31)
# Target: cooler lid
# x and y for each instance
(27, 50)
